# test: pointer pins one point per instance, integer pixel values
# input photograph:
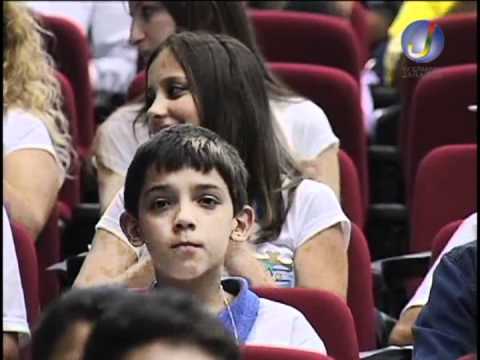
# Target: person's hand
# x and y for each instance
(241, 260)
(238, 252)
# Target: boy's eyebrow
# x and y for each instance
(158, 188)
(207, 187)
(197, 187)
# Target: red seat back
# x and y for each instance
(360, 26)
(137, 87)
(328, 314)
(443, 236)
(253, 352)
(297, 37)
(71, 189)
(49, 252)
(439, 118)
(71, 52)
(339, 97)
(28, 267)
(445, 190)
(360, 290)
(350, 190)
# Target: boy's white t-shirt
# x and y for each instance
(14, 311)
(281, 325)
(304, 125)
(466, 232)
(314, 209)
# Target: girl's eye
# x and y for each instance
(209, 202)
(177, 90)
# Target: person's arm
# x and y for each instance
(10, 346)
(30, 187)
(324, 168)
(109, 258)
(109, 183)
(322, 262)
(402, 334)
(446, 327)
(402, 331)
(140, 275)
(241, 261)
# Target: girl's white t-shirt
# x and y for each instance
(23, 130)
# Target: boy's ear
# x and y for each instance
(130, 228)
(243, 224)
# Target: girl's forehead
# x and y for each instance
(164, 64)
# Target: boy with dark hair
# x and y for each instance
(165, 324)
(186, 199)
(66, 324)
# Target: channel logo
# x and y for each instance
(423, 41)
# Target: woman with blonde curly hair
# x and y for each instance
(36, 142)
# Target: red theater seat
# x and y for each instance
(328, 314)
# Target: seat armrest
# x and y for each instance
(396, 269)
(391, 275)
(389, 353)
(69, 268)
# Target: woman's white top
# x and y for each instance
(14, 311)
(23, 130)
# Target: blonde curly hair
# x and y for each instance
(29, 80)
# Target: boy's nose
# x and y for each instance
(184, 219)
(183, 224)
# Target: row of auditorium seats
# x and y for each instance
(356, 323)
(324, 65)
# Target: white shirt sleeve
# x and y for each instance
(115, 141)
(14, 311)
(466, 232)
(305, 126)
(314, 209)
(22, 130)
(110, 221)
(281, 325)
